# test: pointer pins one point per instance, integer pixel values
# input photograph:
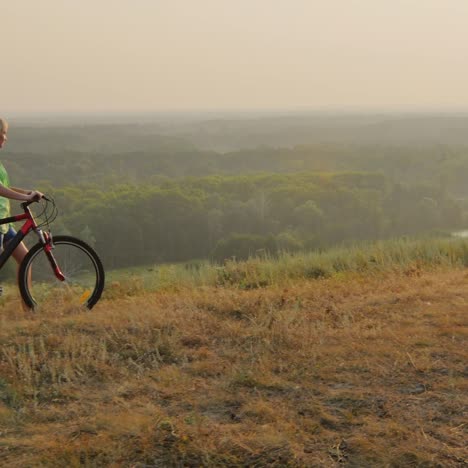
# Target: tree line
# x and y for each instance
(220, 217)
(442, 166)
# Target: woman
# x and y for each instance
(8, 193)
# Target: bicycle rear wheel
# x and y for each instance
(79, 263)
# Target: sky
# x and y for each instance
(172, 55)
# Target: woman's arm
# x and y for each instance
(20, 190)
(13, 195)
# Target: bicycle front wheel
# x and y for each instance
(79, 264)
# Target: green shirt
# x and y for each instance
(4, 202)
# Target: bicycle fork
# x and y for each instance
(47, 242)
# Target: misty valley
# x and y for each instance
(161, 189)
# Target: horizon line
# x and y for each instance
(285, 110)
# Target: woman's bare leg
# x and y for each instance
(18, 254)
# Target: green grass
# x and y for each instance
(376, 257)
(396, 255)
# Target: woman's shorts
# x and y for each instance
(5, 238)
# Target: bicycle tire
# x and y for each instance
(36, 260)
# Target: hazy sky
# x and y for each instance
(90, 55)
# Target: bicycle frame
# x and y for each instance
(30, 225)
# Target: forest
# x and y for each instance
(161, 192)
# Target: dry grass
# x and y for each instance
(351, 370)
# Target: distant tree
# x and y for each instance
(243, 246)
(309, 216)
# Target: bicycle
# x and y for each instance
(58, 271)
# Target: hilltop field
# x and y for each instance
(355, 369)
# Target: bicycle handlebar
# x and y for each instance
(25, 204)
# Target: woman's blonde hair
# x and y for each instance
(3, 125)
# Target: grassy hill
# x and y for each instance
(359, 367)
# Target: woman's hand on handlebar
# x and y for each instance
(34, 195)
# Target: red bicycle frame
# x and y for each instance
(30, 225)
